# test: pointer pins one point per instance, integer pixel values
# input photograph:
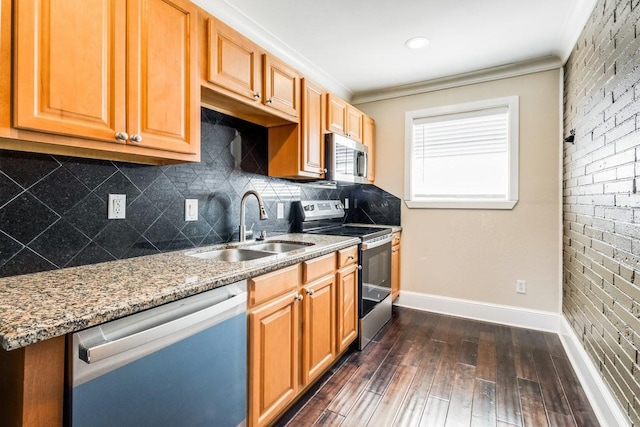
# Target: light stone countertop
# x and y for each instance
(39, 306)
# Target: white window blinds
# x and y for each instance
(461, 134)
(463, 154)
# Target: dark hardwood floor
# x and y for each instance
(425, 369)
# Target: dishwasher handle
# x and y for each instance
(195, 320)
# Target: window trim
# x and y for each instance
(512, 103)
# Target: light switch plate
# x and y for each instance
(191, 209)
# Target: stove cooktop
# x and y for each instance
(365, 233)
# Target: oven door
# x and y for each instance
(375, 283)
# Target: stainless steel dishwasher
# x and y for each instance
(180, 364)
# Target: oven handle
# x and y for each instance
(370, 245)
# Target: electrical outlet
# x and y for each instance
(191, 209)
(346, 203)
(117, 206)
(521, 286)
(279, 211)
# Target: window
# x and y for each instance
(463, 156)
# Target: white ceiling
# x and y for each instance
(356, 47)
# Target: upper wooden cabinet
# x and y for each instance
(234, 62)
(369, 139)
(245, 74)
(117, 72)
(70, 74)
(343, 118)
(297, 151)
(5, 67)
(281, 87)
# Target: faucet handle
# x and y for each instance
(263, 235)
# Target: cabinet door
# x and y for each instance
(273, 358)
(5, 67)
(354, 123)
(163, 103)
(395, 271)
(319, 327)
(281, 87)
(312, 123)
(234, 61)
(368, 139)
(336, 115)
(347, 306)
(69, 73)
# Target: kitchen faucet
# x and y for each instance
(263, 212)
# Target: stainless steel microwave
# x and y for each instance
(346, 159)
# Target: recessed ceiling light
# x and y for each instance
(417, 42)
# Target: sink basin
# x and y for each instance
(232, 255)
(279, 246)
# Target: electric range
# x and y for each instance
(374, 260)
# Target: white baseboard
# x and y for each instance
(494, 313)
(602, 400)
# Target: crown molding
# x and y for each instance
(474, 77)
(573, 27)
(232, 16)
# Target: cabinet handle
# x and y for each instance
(269, 101)
(122, 136)
(256, 96)
(350, 257)
(135, 138)
(298, 297)
(309, 291)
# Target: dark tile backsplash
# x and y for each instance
(53, 209)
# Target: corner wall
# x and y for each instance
(478, 254)
(601, 299)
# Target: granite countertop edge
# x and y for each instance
(40, 306)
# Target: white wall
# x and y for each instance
(479, 254)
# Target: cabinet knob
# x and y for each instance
(256, 96)
(349, 134)
(135, 138)
(309, 291)
(122, 136)
(359, 267)
(325, 170)
(269, 101)
(298, 297)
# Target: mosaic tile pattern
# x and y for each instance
(53, 209)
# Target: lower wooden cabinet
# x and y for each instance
(294, 315)
(395, 266)
(347, 306)
(319, 326)
(273, 357)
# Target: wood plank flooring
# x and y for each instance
(426, 369)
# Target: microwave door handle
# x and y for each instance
(362, 164)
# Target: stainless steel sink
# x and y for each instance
(232, 255)
(279, 246)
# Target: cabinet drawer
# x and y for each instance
(318, 267)
(267, 286)
(396, 239)
(347, 256)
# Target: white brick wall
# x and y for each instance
(601, 206)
